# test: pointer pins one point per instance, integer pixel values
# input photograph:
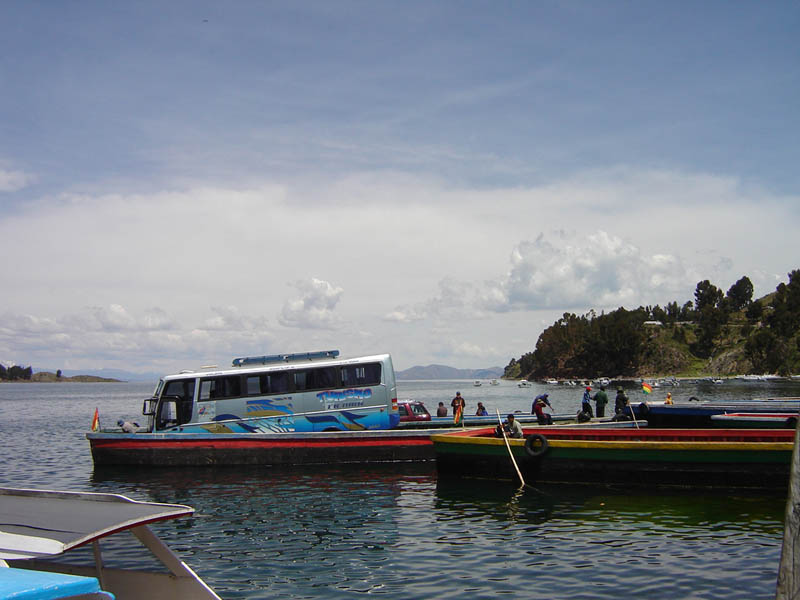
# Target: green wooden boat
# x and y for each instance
(705, 457)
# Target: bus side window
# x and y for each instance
(205, 389)
(231, 386)
(299, 380)
(371, 374)
(277, 382)
(254, 383)
(321, 378)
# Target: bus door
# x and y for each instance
(176, 404)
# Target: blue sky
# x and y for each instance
(184, 182)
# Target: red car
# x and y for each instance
(411, 410)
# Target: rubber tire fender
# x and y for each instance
(644, 410)
(532, 450)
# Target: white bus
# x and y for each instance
(312, 391)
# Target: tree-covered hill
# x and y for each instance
(717, 334)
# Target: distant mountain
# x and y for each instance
(445, 372)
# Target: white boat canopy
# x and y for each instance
(38, 524)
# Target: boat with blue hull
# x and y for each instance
(21, 584)
(698, 413)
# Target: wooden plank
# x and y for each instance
(789, 569)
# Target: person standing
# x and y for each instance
(620, 402)
(457, 402)
(600, 401)
(586, 404)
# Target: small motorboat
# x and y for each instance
(37, 527)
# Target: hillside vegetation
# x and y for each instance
(717, 334)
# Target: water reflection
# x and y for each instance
(397, 530)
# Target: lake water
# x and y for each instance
(396, 531)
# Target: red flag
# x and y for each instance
(96, 421)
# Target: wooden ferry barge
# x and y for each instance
(706, 457)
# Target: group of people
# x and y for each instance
(540, 402)
(511, 426)
(459, 404)
(600, 399)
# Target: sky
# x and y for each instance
(183, 183)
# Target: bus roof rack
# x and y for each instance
(276, 358)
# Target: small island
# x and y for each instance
(17, 374)
(48, 377)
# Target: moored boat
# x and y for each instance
(705, 457)
(407, 444)
(697, 413)
(756, 420)
(299, 448)
(37, 527)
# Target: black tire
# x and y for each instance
(694, 399)
(534, 451)
(791, 422)
(644, 410)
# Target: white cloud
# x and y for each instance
(430, 270)
(579, 271)
(315, 309)
(455, 300)
(125, 339)
(231, 318)
(13, 181)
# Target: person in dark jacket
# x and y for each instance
(621, 402)
(458, 402)
(600, 401)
